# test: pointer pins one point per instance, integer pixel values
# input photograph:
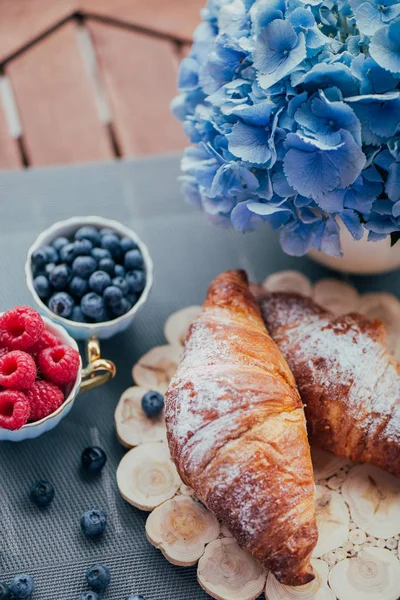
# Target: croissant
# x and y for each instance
(236, 432)
(346, 377)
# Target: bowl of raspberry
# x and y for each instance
(40, 374)
(89, 274)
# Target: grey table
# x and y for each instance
(187, 254)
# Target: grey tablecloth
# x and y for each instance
(187, 254)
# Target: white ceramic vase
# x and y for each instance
(361, 257)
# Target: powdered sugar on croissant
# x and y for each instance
(236, 432)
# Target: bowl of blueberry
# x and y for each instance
(89, 274)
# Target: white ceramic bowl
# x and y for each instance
(33, 430)
(85, 331)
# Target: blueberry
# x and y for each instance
(133, 260)
(59, 243)
(83, 247)
(99, 253)
(92, 306)
(78, 286)
(67, 253)
(127, 244)
(152, 404)
(111, 242)
(119, 271)
(132, 299)
(5, 592)
(106, 231)
(135, 597)
(136, 281)
(61, 304)
(39, 258)
(42, 493)
(107, 265)
(22, 586)
(59, 277)
(88, 232)
(84, 266)
(122, 308)
(77, 315)
(120, 283)
(89, 596)
(98, 576)
(93, 460)
(49, 268)
(99, 280)
(94, 523)
(42, 286)
(112, 295)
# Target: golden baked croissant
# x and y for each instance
(349, 383)
(236, 431)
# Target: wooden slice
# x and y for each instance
(177, 325)
(133, 426)
(332, 520)
(315, 590)
(337, 296)
(226, 572)
(288, 281)
(155, 369)
(374, 500)
(326, 464)
(147, 477)
(181, 528)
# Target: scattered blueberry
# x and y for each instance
(41, 285)
(99, 280)
(107, 265)
(152, 403)
(5, 592)
(83, 247)
(119, 271)
(92, 306)
(78, 286)
(67, 253)
(93, 460)
(136, 281)
(89, 596)
(127, 244)
(135, 597)
(110, 241)
(121, 284)
(88, 232)
(98, 576)
(59, 243)
(84, 266)
(133, 260)
(122, 308)
(22, 586)
(77, 315)
(42, 493)
(112, 296)
(39, 258)
(59, 277)
(61, 304)
(94, 523)
(99, 253)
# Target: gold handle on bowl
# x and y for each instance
(98, 370)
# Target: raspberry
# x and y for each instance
(48, 340)
(44, 399)
(14, 409)
(59, 364)
(17, 370)
(3, 352)
(20, 328)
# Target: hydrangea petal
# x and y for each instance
(393, 183)
(385, 47)
(325, 75)
(244, 219)
(249, 143)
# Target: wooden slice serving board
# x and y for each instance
(357, 506)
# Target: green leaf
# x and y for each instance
(394, 238)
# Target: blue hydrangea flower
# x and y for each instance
(293, 107)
